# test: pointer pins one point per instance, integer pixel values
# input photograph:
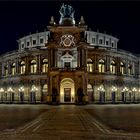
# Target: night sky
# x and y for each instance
(120, 19)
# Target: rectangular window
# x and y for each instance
(41, 40)
(93, 40)
(22, 45)
(34, 42)
(28, 43)
(107, 42)
(100, 41)
(112, 44)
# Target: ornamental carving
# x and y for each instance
(67, 41)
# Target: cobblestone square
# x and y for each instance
(70, 122)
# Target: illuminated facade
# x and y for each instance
(69, 64)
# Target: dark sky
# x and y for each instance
(121, 19)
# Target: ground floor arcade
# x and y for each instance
(99, 93)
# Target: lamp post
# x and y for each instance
(33, 93)
(134, 94)
(139, 95)
(21, 94)
(102, 94)
(10, 90)
(124, 92)
(1, 94)
(114, 89)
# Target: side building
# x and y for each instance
(69, 64)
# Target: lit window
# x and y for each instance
(122, 68)
(34, 42)
(101, 65)
(112, 67)
(45, 65)
(89, 65)
(41, 40)
(22, 67)
(13, 68)
(33, 66)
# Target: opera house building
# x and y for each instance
(69, 64)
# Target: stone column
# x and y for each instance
(49, 97)
(17, 66)
(49, 58)
(27, 65)
(55, 59)
(78, 57)
(9, 68)
(38, 64)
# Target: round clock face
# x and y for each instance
(67, 40)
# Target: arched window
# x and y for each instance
(6, 70)
(22, 67)
(113, 67)
(129, 69)
(33, 66)
(13, 68)
(122, 66)
(45, 65)
(45, 89)
(101, 65)
(89, 65)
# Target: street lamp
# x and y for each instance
(21, 89)
(10, 90)
(101, 88)
(1, 92)
(33, 93)
(114, 89)
(134, 92)
(102, 94)
(34, 88)
(21, 92)
(124, 91)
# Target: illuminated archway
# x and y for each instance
(67, 92)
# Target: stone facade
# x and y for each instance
(68, 64)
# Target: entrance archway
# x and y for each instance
(67, 92)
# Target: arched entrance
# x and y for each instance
(67, 92)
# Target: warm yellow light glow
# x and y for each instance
(1, 90)
(134, 89)
(10, 89)
(114, 88)
(21, 89)
(67, 83)
(101, 88)
(125, 89)
(34, 88)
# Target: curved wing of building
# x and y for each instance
(68, 64)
